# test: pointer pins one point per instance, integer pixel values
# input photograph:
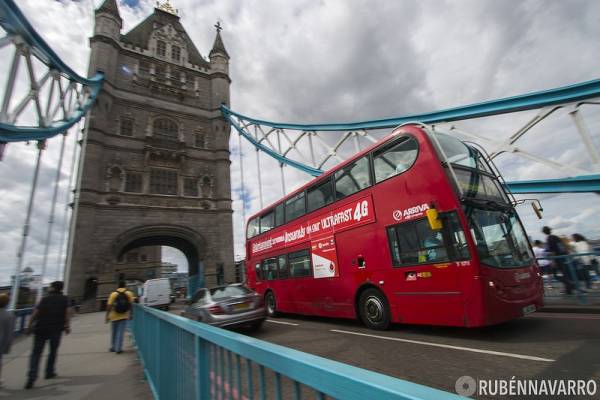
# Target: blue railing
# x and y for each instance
(184, 359)
(580, 277)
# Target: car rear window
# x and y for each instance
(228, 291)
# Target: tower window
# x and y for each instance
(175, 53)
(190, 187)
(163, 181)
(133, 182)
(161, 48)
(165, 129)
(126, 127)
(200, 140)
(160, 73)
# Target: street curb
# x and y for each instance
(579, 309)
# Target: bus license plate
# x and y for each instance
(529, 309)
(241, 306)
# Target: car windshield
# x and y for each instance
(228, 291)
(499, 237)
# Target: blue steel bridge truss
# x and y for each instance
(55, 98)
(294, 144)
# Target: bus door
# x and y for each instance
(425, 272)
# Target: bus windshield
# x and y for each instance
(474, 176)
(499, 237)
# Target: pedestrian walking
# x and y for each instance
(7, 329)
(47, 323)
(556, 247)
(540, 252)
(118, 311)
(584, 263)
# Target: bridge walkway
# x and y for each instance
(85, 367)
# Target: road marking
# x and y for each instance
(281, 322)
(446, 346)
(564, 316)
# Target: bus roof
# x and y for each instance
(337, 167)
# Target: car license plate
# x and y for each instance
(529, 309)
(241, 306)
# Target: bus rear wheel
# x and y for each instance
(374, 310)
(271, 304)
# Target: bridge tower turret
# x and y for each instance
(219, 64)
(105, 42)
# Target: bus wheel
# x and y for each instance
(374, 310)
(271, 304)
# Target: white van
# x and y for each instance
(156, 293)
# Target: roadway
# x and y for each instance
(539, 346)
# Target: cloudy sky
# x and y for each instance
(341, 61)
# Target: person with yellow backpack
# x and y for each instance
(119, 309)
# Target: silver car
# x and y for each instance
(227, 306)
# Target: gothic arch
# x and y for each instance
(165, 128)
(115, 178)
(190, 242)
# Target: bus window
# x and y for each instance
(267, 221)
(459, 153)
(394, 159)
(283, 268)
(269, 267)
(318, 196)
(352, 178)
(299, 263)
(259, 274)
(295, 207)
(252, 228)
(279, 216)
(415, 243)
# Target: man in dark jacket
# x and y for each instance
(555, 247)
(49, 319)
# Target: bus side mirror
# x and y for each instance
(537, 208)
(435, 223)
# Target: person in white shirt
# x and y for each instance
(581, 245)
(545, 265)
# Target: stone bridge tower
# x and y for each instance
(156, 167)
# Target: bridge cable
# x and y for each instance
(61, 247)
(51, 218)
(14, 294)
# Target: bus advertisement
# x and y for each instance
(416, 229)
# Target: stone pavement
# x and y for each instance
(85, 367)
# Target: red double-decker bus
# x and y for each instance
(416, 229)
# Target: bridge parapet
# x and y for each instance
(187, 359)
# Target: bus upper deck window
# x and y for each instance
(279, 215)
(252, 228)
(395, 158)
(352, 178)
(295, 207)
(267, 222)
(319, 195)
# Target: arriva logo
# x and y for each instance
(410, 212)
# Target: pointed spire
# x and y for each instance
(218, 46)
(110, 7)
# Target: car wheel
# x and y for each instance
(374, 310)
(271, 304)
